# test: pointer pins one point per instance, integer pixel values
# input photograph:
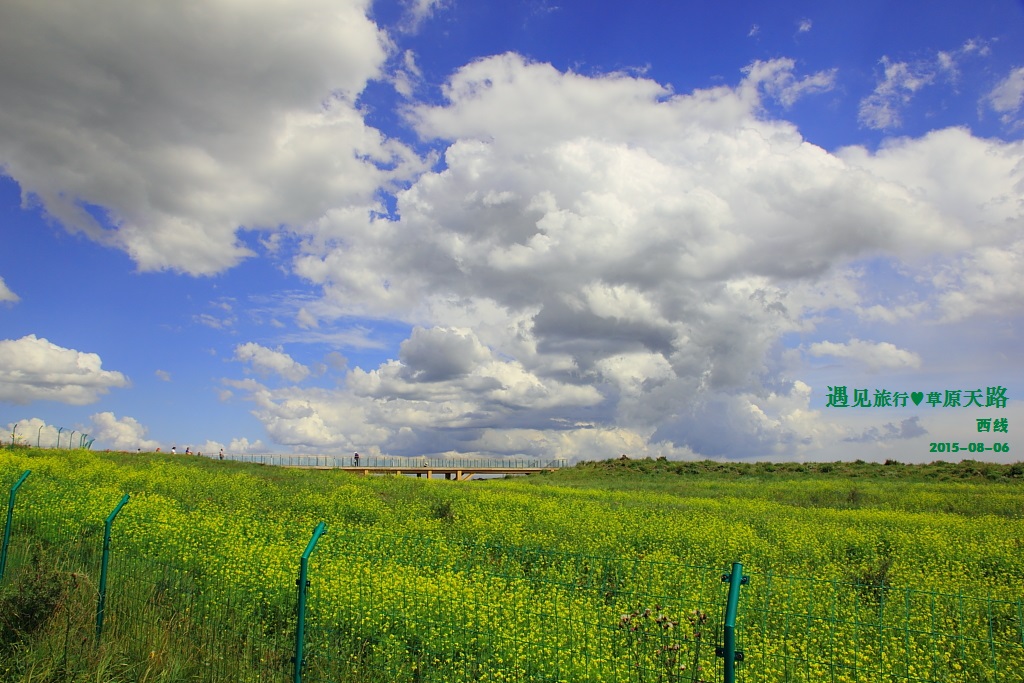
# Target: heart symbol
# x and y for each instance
(916, 397)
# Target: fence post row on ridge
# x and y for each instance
(84, 442)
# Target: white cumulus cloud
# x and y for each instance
(1007, 97)
(266, 360)
(34, 369)
(120, 433)
(6, 294)
(901, 80)
(601, 251)
(418, 11)
(778, 81)
(35, 431)
(875, 356)
(187, 122)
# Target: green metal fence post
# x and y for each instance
(7, 526)
(728, 652)
(303, 583)
(1020, 621)
(101, 603)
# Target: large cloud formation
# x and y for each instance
(596, 264)
(608, 234)
(162, 129)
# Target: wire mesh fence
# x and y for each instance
(428, 610)
(387, 607)
(806, 629)
(155, 607)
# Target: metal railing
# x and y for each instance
(394, 461)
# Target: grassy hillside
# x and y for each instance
(967, 487)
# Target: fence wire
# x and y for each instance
(806, 629)
(387, 607)
(427, 610)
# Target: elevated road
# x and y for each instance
(457, 473)
(459, 469)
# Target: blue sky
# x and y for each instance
(550, 229)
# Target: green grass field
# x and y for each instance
(608, 571)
